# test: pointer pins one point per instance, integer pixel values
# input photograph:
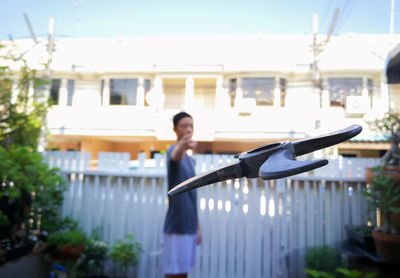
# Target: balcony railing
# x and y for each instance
(263, 122)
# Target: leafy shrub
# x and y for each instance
(4, 223)
(343, 272)
(384, 194)
(126, 252)
(94, 255)
(68, 238)
(322, 258)
(29, 187)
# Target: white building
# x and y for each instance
(119, 94)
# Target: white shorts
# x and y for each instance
(179, 253)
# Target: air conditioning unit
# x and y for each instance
(357, 105)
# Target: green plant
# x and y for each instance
(67, 245)
(4, 224)
(69, 234)
(94, 254)
(364, 230)
(30, 192)
(22, 114)
(164, 151)
(322, 258)
(383, 194)
(126, 252)
(68, 238)
(342, 272)
(354, 273)
(389, 125)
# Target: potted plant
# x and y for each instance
(383, 195)
(126, 252)
(67, 247)
(68, 243)
(384, 182)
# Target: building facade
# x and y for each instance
(119, 94)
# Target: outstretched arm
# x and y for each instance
(184, 144)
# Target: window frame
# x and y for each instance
(126, 100)
(341, 101)
(269, 88)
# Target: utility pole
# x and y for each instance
(314, 65)
(50, 48)
(317, 49)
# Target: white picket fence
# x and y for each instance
(250, 228)
(120, 162)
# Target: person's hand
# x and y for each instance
(187, 142)
(192, 145)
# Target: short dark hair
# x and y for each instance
(179, 116)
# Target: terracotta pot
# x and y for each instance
(387, 246)
(67, 253)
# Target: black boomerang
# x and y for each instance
(273, 161)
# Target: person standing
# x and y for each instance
(181, 227)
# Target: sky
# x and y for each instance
(115, 18)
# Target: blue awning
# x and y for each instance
(393, 66)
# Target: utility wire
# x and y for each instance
(28, 23)
(346, 12)
(326, 15)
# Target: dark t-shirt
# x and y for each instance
(182, 209)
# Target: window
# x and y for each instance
(70, 91)
(123, 91)
(55, 90)
(261, 89)
(40, 86)
(340, 88)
